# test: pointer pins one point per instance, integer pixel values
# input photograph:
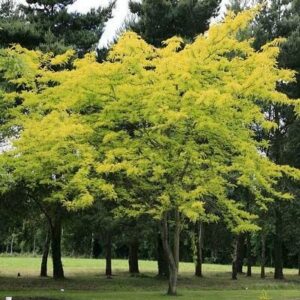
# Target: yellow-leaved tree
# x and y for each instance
(50, 158)
(167, 132)
(179, 130)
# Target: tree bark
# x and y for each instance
(12, 244)
(199, 259)
(133, 257)
(56, 234)
(299, 263)
(240, 253)
(34, 245)
(278, 259)
(46, 248)
(163, 269)
(249, 256)
(263, 256)
(92, 245)
(96, 248)
(108, 252)
(173, 271)
(177, 238)
(234, 260)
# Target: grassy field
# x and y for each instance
(85, 280)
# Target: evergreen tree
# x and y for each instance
(280, 19)
(159, 20)
(50, 27)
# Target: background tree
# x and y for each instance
(279, 19)
(161, 19)
(53, 162)
(50, 27)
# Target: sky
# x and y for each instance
(119, 15)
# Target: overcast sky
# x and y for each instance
(119, 15)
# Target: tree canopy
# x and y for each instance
(49, 26)
(162, 19)
(168, 132)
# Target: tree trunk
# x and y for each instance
(199, 259)
(108, 252)
(177, 238)
(234, 259)
(263, 256)
(278, 259)
(299, 263)
(96, 248)
(56, 233)
(240, 253)
(173, 271)
(12, 244)
(92, 245)
(163, 269)
(133, 257)
(249, 256)
(34, 245)
(46, 249)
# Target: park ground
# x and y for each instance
(85, 280)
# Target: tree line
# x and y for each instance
(170, 145)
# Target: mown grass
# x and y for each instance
(85, 280)
(186, 295)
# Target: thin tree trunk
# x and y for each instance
(7, 247)
(249, 256)
(34, 245)
(46, 249)
(133, 257)
(240, 253)
(96, 247)
(12, 244)
(278, 259)
(299, 263)
(173, 271)
(92, 245)
(278, 245)
(199, 259)
(56, 234)
(263, 256)
(163, 269)
(177, 238)
(234, 260)
(108, 252)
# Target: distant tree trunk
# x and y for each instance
(278, 259)
(163, 269)
(240, 253)
(234, 259)
(199, 259)
(108, 254)
(46, 248)
(34, 245)
(249, 256)
(177, 238)
(263, 256)
(133, 257)
(173, 271)
(299, 263)
(12, 244)
(96, 248)
(92, 245)
(56, 234)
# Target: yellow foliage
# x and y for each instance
(156, 130)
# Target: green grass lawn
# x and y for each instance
(85, 280)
